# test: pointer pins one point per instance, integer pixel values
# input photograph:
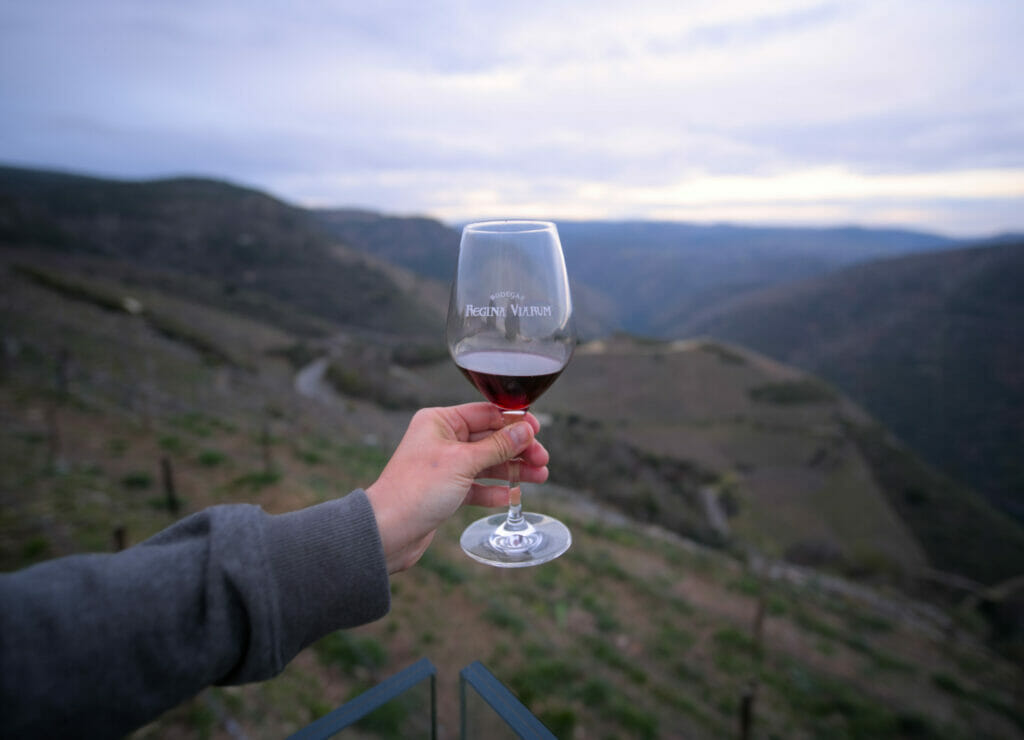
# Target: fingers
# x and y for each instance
(496, 494)
(527, 473)
(534, 456)
(491, 496)
(481, 418)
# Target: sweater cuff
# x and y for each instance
(328, 564)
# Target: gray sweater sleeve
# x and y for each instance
(97, 645)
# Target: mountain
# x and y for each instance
(640, 276)
(658, 274)
(243, 252)
(635, 632)
(424, 245)
(668, 431)
(736, 522)
(428, 248)
(930, 344)
(216, 241)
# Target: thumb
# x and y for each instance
(502, 446)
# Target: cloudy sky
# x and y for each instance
(880, 113)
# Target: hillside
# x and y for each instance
(244, 253)
(423, 245)
(800, 472)
(636, 632)
(429, 249)
(226, 245)
(929, 344)
(658, 274)
(644, 277)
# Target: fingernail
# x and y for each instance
(519, 432)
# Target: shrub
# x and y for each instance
(171, 443)
(36, 548)
(503, 617)
(789, 392)
(211, 458)
(445, 569)
(256, 480)
(543, 678)
(560, 720)
(636, 721)
(137, 480)
(596, 692)
(348, 652)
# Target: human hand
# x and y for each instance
(434, 471)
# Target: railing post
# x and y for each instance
(505, 704)
(351, 712)
(462, 705)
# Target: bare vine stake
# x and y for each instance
(749, 696)
(120, 537)
(173, 503)
(61, 373)
(268, 463)
(53, 436)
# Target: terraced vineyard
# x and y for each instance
(639, 631)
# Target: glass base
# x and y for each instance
(541, 539)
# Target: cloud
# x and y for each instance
(452, 106)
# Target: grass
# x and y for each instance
(200, 424)
(988, 547)
(636, 721)
(254, 481)
(671, 640)
(735, 653)
(118, 300)
(503, 617)
(448, 571)
(137, 480)
(211, 458)
(822, 703)
(542, 678)
(585, 677)
(628, 635)
(172, 443)
(349, 652)
(602, 650)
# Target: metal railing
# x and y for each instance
(478, 688)
(509, 710)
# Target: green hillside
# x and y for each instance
(930, 345)
(216, 242)
(657, 428)
(636, 632)
(690, 428)
(737, 523)
(422, 245)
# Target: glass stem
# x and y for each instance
(515, 520)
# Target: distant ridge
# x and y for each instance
(931, 344)
(660, 273)
(423, 245)
(882, 334)
(240, 242)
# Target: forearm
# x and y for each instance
(96, 645)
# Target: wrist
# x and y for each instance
(381, 503)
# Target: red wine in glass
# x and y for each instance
(510, 332)
(511, 380)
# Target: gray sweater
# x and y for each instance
(97, 645)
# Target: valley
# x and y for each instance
(853, 586)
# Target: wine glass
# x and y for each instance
(510, 331)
